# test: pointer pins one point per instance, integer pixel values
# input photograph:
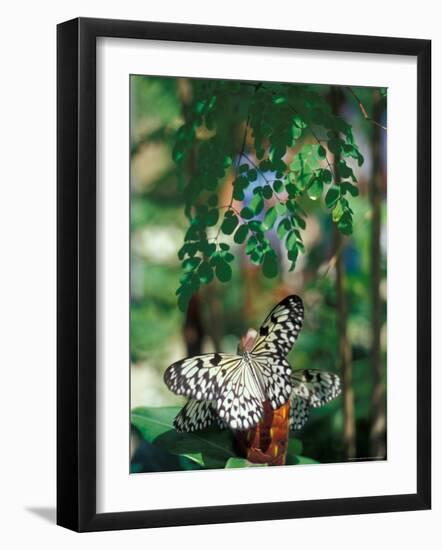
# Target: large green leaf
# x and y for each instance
(153, 421)
(208, 448)
(294, 447)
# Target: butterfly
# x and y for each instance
(310, 388)
(231, 389)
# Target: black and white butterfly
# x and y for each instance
(310, 388)
(233, 388)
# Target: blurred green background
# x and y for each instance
(220, 313)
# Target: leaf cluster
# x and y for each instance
(293, 135)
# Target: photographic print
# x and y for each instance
(258, 274)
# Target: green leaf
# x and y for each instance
(291, 189)
(305, 460)
(291, 242)
(183, 298)
(269, 218)
(293, 256)
(279, 100)
(256, 204)
(278, 186)
(241, 463)
(251, 244)
(270, 264)
(345, 171)
(212, 217)
(153, 421)
(281, 208)
(223, 271)
(332, 196)
(325, 175)
(321, 152)
(350, 150)
(208, 249)
(205, 273)
(247, 213)
(252, 175)
(229, 224)
(238, 194)
(315, 189)
(191, 263)
(294, 446)
(334, 145)
(283, 228)
(352, 189)
(255, 226)
(256, 256)
(300, 221)
(267, 192)
(188, 248)
(241, 182)
(241, 234)
(208, 448)
(337, 212)
(345, 224)
(298, 122)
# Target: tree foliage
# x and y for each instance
(280, 118)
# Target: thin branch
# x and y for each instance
(229, 206)
(319, 142)
(364, 110)
(268, 181)
(257, 168)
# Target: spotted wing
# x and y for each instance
(299, 412)
(276, 378)
(281, 327)
(234, 384)
(316, 387)
(195, 415)
(201, 376)
(240, 403)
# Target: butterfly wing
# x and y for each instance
(276, 378)
(317, 387)
(240, 404)
(233, 384)
(299, 412)
(201, 376)
(281, 327)
(195, 415)
(311, 388)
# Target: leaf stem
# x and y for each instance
(363, 109)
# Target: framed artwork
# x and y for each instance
(243, 274)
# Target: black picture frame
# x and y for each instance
(76, 273)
